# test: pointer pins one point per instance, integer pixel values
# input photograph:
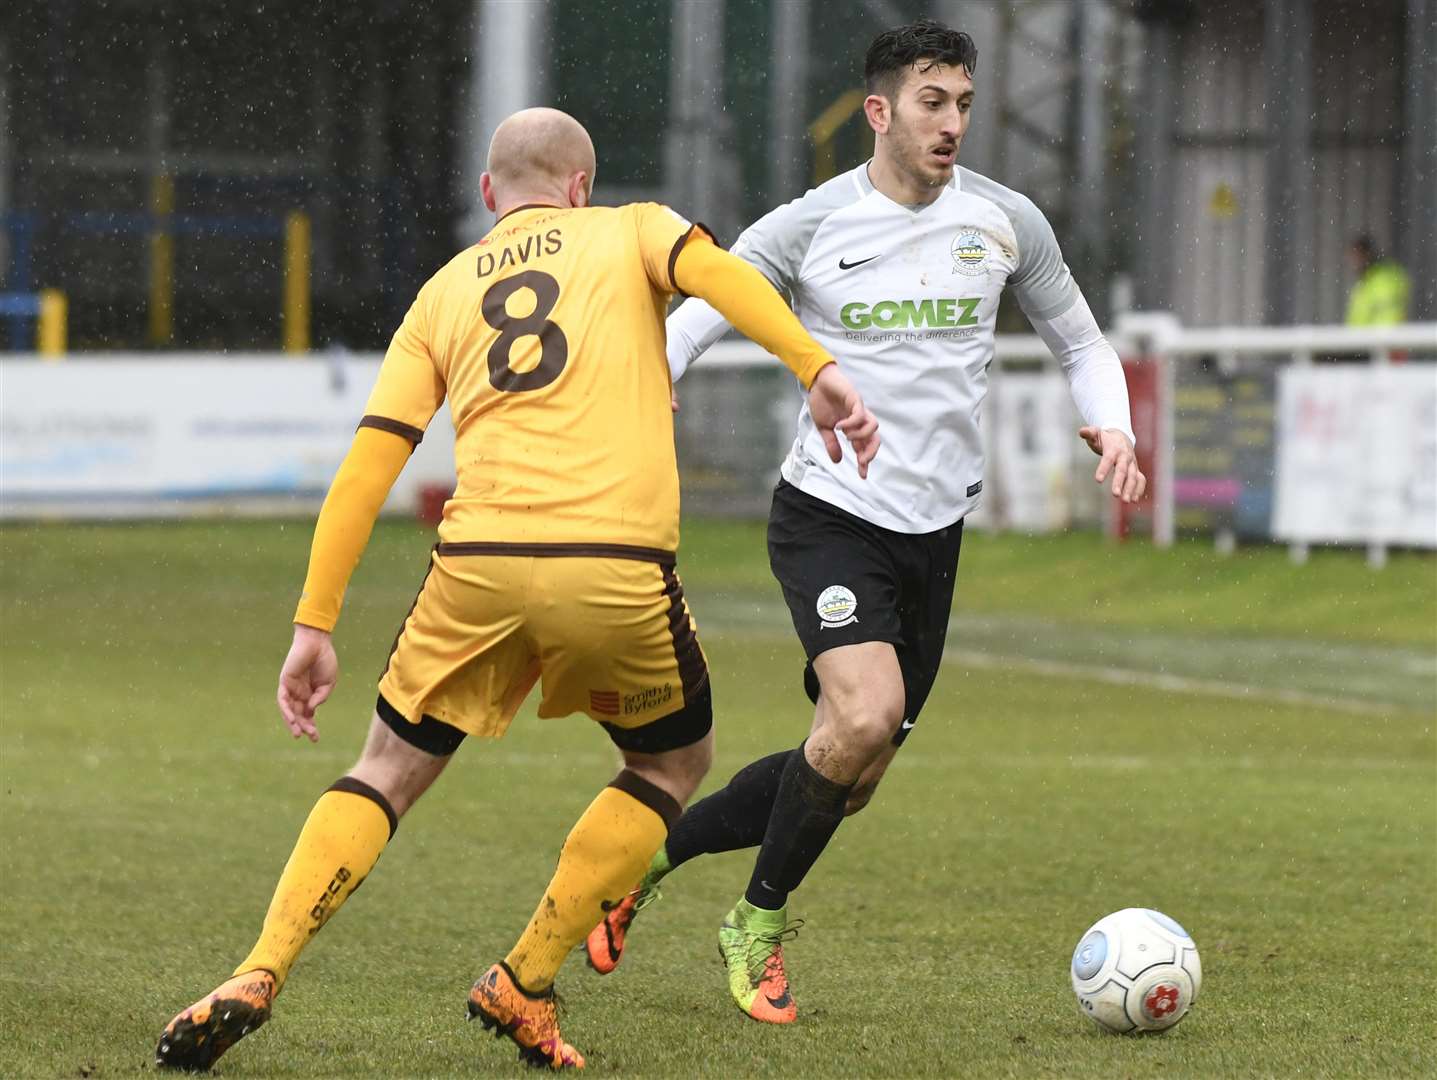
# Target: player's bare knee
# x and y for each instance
(700, 759)
(400, 786)
(689, 765)
(396, 769)
(875, 731)
(864, 722)
(678, 772)
(388, 790)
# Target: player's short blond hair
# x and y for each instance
(539, 147)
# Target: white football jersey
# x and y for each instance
(906, 300)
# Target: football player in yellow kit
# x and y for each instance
(555, 563)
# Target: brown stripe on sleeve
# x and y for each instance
(394, 427)
(679, 246)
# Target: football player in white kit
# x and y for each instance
(897, 268)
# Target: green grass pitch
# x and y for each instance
(1243, 744)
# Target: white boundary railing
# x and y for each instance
(1160, 336)
(141, 435)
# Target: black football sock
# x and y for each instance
(736, 816)
(806, 812)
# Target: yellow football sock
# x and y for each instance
(607, 851)
(338, 846)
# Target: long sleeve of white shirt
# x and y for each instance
(692, 328)
(774, 245)
(1095, 374)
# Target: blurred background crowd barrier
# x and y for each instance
(1246, 436)
(188, 192)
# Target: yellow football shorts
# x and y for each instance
(603, 629)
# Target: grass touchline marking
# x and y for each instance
(1179, 684)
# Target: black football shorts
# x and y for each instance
(847, 581)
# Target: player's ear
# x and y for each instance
(580, 189)
(486, 189)
(879, 113)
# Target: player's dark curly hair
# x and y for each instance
(924, 43)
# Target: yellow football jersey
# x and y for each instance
(547, 337)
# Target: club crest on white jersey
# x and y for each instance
(970, 253)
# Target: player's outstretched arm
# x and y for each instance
(834, 404)
(692, 329)
(1100, 390)
(374, 462)
(1055, 306)
(745, 298)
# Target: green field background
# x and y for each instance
(1242, 743)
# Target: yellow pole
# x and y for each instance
(824, 130)
(162, 262)
(296, 282)
(50, 327)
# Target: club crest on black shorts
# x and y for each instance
(837, 606)
(903, 582)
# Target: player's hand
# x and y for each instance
(1119, 459)
(834, 404)
(674, 400)
(310, 671)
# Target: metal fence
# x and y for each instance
(1206, 406)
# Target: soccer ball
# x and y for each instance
(1136, 970)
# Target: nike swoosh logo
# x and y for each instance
(850, 265)
(908, 724)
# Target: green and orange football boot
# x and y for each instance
(195, 1039)
(604, 947)
(531, 1021)
(751, 944)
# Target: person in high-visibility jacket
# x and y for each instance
(1379, 296)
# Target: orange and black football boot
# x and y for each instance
(195, 1039)
(530, 1020)
(604, 947)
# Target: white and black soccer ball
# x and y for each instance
(1136, 970)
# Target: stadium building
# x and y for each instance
(154, 153)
